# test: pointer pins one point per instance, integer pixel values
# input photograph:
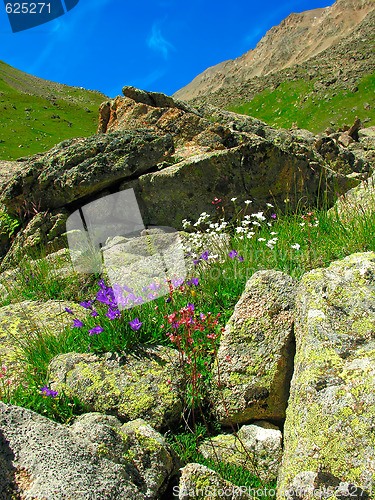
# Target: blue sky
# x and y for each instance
(158, 45)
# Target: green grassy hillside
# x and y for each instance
(296, 102)
(36, 114)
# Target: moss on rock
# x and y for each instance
(256, 352)
(137, 388)
(331, 410)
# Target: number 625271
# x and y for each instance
(27, 8)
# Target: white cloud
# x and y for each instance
(157, 42)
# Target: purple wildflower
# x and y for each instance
(87, 304)
(168, 300)
(102, 297)
(233, 254)
(191, 306)
(46, 391)
(193, 281)
(68, 310)
(111, 294)
(77, 323)
(135, 324)
(94, 313)
(96, 330)
(195, 262)
(240, 258)
(113, 313)
(177, 282)
(204, 255)
(273, 216)
(122, 301)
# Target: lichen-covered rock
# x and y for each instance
(30, 320)
(143, 452)
(330, 414)
(256, 449)
(144, 384)
(252, 170)
(43, 459)
(44, 232)
(198, 481)
(255, 356)
(77, 168)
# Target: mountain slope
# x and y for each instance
(303, 71)
(295, 40)
(35, 114)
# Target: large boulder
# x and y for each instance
(218, 152)
(255, 357)
(341, 159)
(330, 415)
(258, 170)
(148, 258)
(143, 384)
(143, 452)
(78, 168)
(43, 459)
(255, 449)
(367, 137)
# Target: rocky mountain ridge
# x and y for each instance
(295, 40)
(333, 63)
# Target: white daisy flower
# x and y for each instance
(296, 246)
(259, 216)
